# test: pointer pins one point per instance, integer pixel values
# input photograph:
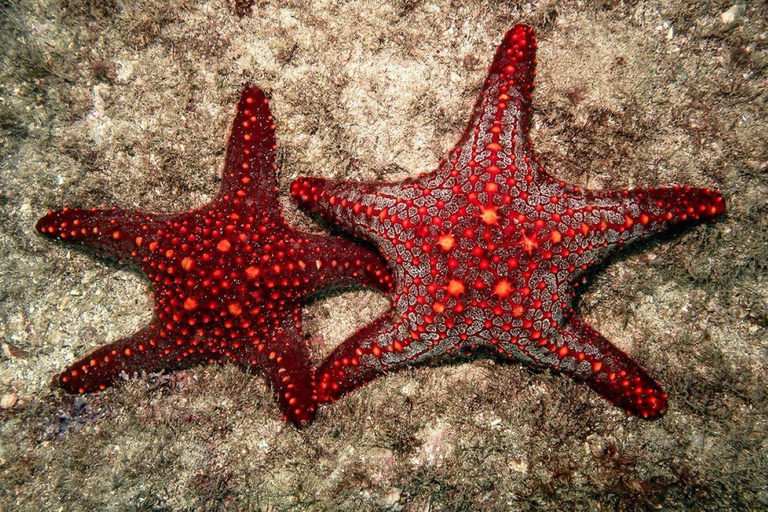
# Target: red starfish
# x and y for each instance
(485, 250)
(228, 278)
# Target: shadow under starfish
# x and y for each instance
(486, 249)
(228, 278)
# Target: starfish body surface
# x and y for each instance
(485, 250)
(229, 278)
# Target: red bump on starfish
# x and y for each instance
(486, 249)
(229, 278)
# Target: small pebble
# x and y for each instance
(733, 14)
(9, 400)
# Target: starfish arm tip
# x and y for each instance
(349, 204)
(609, 371)
(121, 233)
(504, 102)
(249, 168)
(307, 191)
(358, 360)
(103, 367)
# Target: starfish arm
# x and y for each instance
(285, 361)
(498, 128)
(612, 219)
(145, 351)
(121, 233)
(284, 358)
(333, 262)
(250, 173)
(354, 206)
(369, 352)
(581, 352)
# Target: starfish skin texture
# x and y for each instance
(229, 278)
(486, 250)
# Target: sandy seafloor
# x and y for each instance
(129, 103)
